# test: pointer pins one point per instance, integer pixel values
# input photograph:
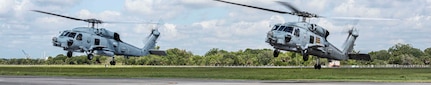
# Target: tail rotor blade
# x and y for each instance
(159, 23)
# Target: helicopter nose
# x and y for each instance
(55, 41)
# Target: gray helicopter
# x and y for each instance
(307, 38)
(91, 40)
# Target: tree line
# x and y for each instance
(399, 54)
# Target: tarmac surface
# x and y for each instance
(37, 80)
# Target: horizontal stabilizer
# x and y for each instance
(158, 52)
(364, 57)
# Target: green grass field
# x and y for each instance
(305, 74)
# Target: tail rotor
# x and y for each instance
(154, 28)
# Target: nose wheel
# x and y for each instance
(276, 53)
(69, 54)
(90, 56)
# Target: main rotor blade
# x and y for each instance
(291, 7)
(73, 18)
(360, 18)
(127, 22)
(277, 11)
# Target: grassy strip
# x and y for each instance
(327, 74)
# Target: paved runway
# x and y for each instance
(35, 80)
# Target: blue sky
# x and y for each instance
(199, 25)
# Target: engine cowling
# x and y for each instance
(108, 34)
(318, 30)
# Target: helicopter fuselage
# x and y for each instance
(300, 36)
(305, 38)
(100, 41)
(83, 39)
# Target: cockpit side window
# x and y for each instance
(288, 29)
(275, 27)
(79, 37)
(72, 35)
(311, 39)
(296, 32)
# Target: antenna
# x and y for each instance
(26, 55)
(44, 55)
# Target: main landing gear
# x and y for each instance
(317, 65)
(305, 58)
(112, 62)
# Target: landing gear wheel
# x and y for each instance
(304, 55)
(276, 53)
(317, 66)
(69, 54)
(90, 56)
(112, 62)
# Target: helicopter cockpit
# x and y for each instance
(281, 34)
(287, 29)
(66, 39)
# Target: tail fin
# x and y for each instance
(350, 41)
(151, 41)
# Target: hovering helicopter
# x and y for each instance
(92, 40)
(307, 38)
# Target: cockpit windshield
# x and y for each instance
(281, 28)
(68, 34)
(275, 27)
(64, 33)
(288, 29)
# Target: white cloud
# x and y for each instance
(171, 33)
(396, 41)
(352, 8)
(276, 19)
(6, 6)
(140, 6)
(84, 14)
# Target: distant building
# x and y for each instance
(334, 63)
